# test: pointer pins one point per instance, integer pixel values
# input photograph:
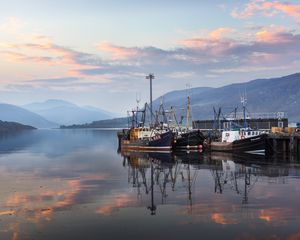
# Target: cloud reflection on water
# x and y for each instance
(90, 183)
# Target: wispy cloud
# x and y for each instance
(56, 55)
(115, 203)
(204, 57)
(274, 37)
(268, 8)
(220, 32)
(220, 52)
(118, 53)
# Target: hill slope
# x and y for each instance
(264, 95)
(65, 113)
(12, 113)
(109, 123)
(10, 127)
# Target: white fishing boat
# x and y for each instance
(241, 139)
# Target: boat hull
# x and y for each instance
(189, 140)
(252, 144)
(162, 142)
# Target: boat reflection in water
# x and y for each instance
(163, 177)
(160, 166)
(72, 184)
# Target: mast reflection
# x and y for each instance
(157, 175)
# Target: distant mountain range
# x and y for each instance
(65, 113)
(12, 113)
(51, 114)
(263, 96)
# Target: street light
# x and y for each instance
(150, 77)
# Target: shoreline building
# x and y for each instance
(259, 121)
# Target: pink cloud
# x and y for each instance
(265, 50)
(20, 57)
(275, 216)
(118, 201)
(219, 32)
(118, 53)
(212, 46)
(42, 50)
(215, 42)
(273, 37)
(220, 219)
(268, 8)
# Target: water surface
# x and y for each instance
(73, 184)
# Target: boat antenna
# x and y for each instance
(150, 77)
(188, 111)
(244, 103)
(138, 100)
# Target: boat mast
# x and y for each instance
(138, 99)
(188, 113)
(244, 103)
(189, 187)
(150, 77)
(188, 110)
(152, 208)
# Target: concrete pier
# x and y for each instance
(283, 143)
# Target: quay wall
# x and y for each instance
(283, 143)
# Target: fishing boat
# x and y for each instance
(146, 139)
(241, 139)
(140, 137)
(187, 138)
(192, 139)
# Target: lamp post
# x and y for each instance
(150, 77)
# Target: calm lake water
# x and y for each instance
(73, 184)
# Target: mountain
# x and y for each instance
(9, 112)
(66, 113)
(51, 103)
(92, 108)
(108, 123)
(12, 127)
(263, 96)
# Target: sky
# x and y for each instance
(99, 52)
